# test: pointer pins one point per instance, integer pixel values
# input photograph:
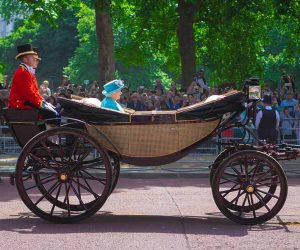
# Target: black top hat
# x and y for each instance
(37, 51)
(25, 49)
(267, 99)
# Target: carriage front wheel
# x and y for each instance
(249, 187)
(63, 175)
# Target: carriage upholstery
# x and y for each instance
(23, 123)
(230, 102)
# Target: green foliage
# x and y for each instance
(136, 63)
(234, 39)
(56, 45)
(84, 64)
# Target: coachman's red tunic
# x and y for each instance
(24, 89)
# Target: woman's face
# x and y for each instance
(116, 96)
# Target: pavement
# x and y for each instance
(161, 213)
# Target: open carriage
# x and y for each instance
(66, 174)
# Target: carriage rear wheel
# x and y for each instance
(63, 175)
(249, 187)
(115, 163)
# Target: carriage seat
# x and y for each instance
(211, 108)
(24, 123)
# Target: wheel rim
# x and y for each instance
(115, 163)
(63, 175)
(250, 187)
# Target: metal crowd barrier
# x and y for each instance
(8, 144)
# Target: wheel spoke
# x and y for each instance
(230, 174)
(236, 182)
(236, 201)
(78, 197)
(80, 159)
(224, 182)
(90, 165)
(49, 152)
(84, 154)
(275, 177)
(226, 192)
(91, 177)
(236, 198)
(243, 205)
(47, 177)
(265, 174)
(252, 205)
(74, 149)
(235, 170)
(40, 184)
(267, 184)
(67, 198)
(87, 189)
(78, 186)
(36, 158)
(30, 172)
(56, 197)
(49, 192)
(262, 201)
(266, 193)
(246, 166)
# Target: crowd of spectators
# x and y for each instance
(157, 97)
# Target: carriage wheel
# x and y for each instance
(217, 162)
(63, 175)
(115, 163)
(249, 187)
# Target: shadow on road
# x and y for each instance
(105, 222)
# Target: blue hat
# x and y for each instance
(112, 87)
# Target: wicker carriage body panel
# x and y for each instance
(152, 140)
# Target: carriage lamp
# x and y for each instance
(252, 89)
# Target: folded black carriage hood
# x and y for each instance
(231, 102)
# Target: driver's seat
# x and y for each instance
(24, 123)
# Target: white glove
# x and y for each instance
(50, 107)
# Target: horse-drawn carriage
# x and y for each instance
(66, 174)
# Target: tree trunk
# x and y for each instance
(106, 41)
(186, 41)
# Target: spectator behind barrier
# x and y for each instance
(286, 124)
(289, 103)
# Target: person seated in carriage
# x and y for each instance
(112, 92)
(24, 93)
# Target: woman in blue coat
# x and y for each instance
(112, 92)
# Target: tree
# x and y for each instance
(105, 37)
(186, 39)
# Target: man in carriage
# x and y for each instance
(24, 93)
